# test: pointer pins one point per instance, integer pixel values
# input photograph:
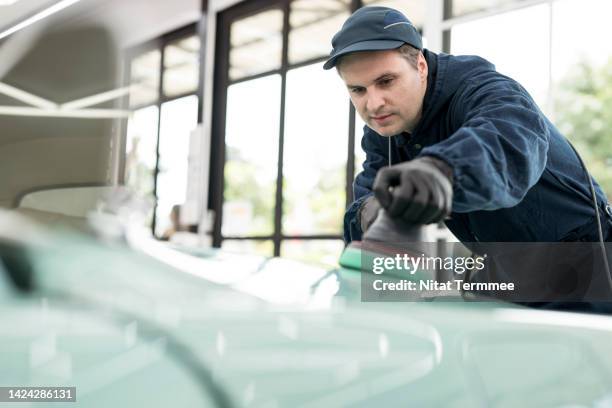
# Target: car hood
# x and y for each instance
(209, 328)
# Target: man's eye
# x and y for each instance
(386, 81)
(357, 91)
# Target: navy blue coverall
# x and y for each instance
(515, 177)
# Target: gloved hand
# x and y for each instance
(368, 212)
(419, 191)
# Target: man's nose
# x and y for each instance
(375, 101)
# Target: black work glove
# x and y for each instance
(368, 212)
(419, 191)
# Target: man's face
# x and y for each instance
(385, 89)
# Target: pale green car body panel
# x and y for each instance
(128, 330)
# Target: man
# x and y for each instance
(467, 142)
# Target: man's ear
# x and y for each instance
(422, 66)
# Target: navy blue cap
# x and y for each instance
(373, 29)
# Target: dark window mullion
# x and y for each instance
(278, 211)
(323, 237)
(217, 148)
(254, 238)
(308, 62)
(277, 71)
(165, 99)
(254, 76)
(283, 237)
(448, 9)
(124, 103)
(350, 162)
(159, 111)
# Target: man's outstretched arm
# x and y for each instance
(500, 150)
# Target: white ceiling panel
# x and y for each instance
(14, 13)
(132, 21)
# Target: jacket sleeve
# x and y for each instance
(499, 150)
(376, 157)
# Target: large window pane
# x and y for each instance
(462, 7)
(522, 54)
(256, 44)
(144, 78)
(313, 24)
(413, 9)
(589, 18)
(323, 252)
(178, 119)
(141, 151)
(181, 63)
(316, 131)
(582, 81)
(251, 139)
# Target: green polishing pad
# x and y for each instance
(351, 257)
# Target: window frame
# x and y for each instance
(221, 83)
(134, 52)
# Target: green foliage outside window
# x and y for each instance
(242, 184)
(584, 114)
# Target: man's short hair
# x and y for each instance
(407, 51)
(411, 54)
